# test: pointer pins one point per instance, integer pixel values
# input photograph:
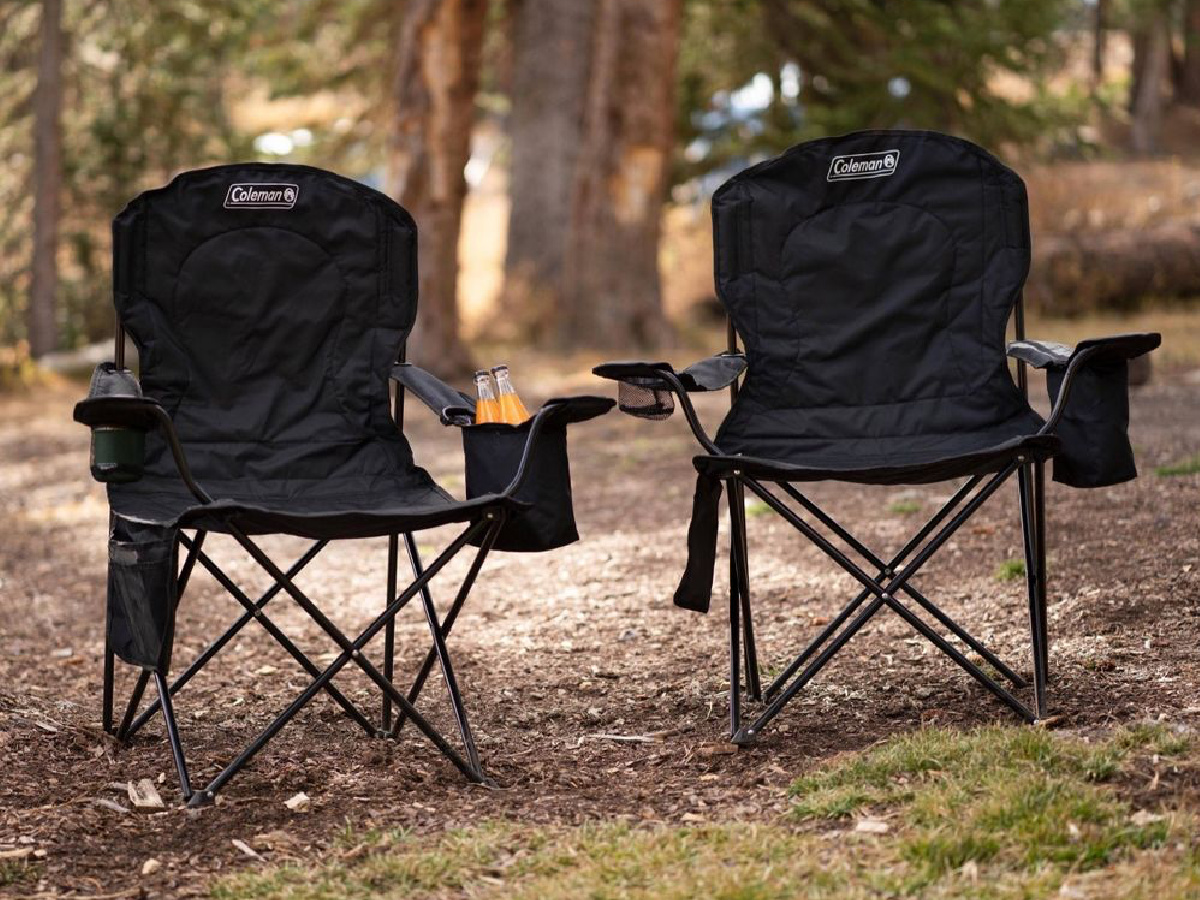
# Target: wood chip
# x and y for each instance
(19, 853)
(871, 826)
(144, 795)
(625, 738)
(245, 848)
(112, 805)
(721, 749)
(150, 866)
(297, 802)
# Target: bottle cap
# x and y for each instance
(481, 373)
(500, 368)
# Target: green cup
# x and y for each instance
(118, 454)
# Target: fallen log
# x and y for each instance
(1073, 274)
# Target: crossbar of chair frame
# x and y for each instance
(486, 529)
(894, 575)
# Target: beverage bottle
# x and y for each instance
(512, 410)
(487, 408)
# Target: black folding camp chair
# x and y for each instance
(871, 278)
(270, 305)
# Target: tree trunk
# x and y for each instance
(551, 65)
(1189, 83)
(47, 152)
(621, 178)
(593, 110)
(436, 77)
(1099, 43)
(1148, 102)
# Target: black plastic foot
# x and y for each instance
(200, 799)
(744, 737)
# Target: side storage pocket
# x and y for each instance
(1094, 428)
(141, 592)
(493, 455)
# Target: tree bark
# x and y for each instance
(551, 67)
(622, 177)
(47, 143)
(436, 77)
(593, 110)
(1099, 43)
(1189, 83)
(1148, 101)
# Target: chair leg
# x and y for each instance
(106, 698)
(389, 634)
(135, 700)
(219, 644)
(735, 608)
(1039, 509)
(443, 655)
(168, 710)
(1030, 538)
(739, 570)
(352, 651)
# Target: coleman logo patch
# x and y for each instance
(863, 165)
(261, 196)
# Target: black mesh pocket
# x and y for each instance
(641, 397)
(1094, 428)
(493, 455)
(141, 593)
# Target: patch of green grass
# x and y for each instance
(1010, 570)
(16, 871)
(905, 507)
(1024, 798)
(1027, 809)
(756, 508)
(1188, 466)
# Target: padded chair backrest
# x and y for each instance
(875, 273)
(268, 303)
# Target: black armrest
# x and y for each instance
(1047, 354)
(1098, 355)
(714, 373)
(118, 412)
(453, 407)
(710, 374)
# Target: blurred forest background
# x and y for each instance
(559, 155)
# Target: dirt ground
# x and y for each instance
(559, 655)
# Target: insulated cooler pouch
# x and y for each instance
(141, 592)
(1094, 428)
(493, 454)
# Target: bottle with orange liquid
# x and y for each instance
(487, 407)
(512, 410)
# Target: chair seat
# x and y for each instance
(329, 511)
(907, 459)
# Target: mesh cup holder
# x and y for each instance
(493, 455)
(642, 398)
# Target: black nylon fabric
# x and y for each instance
(268, 332)
(871, 278)
(873, 309)
(1094, 426)
(142, 592)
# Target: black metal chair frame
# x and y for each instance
(893, 576)
(483, 532)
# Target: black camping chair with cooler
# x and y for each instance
(271, 305)
(871, 278)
